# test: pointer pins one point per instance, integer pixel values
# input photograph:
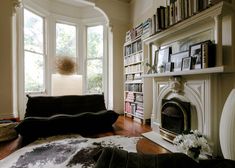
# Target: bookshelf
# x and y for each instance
(134, 84)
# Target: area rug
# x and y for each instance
(65, 152)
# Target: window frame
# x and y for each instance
(44, 52)
(104, 76)
(76, 25)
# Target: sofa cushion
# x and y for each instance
(46, 106)
(116, 158)
(34, 127)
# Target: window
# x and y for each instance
(34, 54)
(66, 42)
(94, 67)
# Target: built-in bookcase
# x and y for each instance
(134, 105)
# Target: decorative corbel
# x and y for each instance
(175, 84)
(15, 5)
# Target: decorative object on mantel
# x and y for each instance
(193, 143)
(151, 67)
(227, 125)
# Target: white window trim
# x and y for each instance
(96, 22)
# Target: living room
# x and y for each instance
(206, 88)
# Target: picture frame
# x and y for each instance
(195, 51)
(163, 57)
(154, 60)
(177, 59)
(169, 67)
(186, 63)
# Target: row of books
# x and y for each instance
(134, 33)
(165, 16)
(137, 57)
(136, 87)
(133, 68)
(139, 98)
(134, 109)
(130, 97)
(130, 107)
(131, 77)
(177, 10)
(133, 48)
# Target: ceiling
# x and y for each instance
(83, 3)
(77, 3)
(126, 1)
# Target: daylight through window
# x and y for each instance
(33, 52)
(95, 59)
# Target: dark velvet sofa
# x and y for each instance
(116, 158)
(50, 115)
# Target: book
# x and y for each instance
(172, 13)
(208, 54)
(167, 16)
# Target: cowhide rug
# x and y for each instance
(65, 152)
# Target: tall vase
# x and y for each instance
(227, 127)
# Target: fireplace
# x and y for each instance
(175, 118)
(206, 103)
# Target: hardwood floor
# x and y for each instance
(123, 126)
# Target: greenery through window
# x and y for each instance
(33, 52)
(65, 40)
(95, 59)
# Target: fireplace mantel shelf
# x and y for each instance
(220, 69)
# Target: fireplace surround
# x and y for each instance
(206, 94)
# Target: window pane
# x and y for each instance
(95, 42)
(65, 40)
(33, 32)
(95, 75)
(34, 76)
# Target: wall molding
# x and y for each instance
(15, 5)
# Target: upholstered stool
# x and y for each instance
(7, 131)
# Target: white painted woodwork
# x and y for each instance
(206, 89)
(227, 125)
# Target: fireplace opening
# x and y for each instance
(175, 118)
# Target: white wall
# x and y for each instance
(6, 84)
(119, 20)
(141, 10)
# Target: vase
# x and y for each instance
(227, 125)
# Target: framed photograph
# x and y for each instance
(186, 63)
(177, 59)
(169, 67)
(163, 57)
(195, 51)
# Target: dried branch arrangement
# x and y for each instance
(65, 65)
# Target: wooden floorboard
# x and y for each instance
(123, 126)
